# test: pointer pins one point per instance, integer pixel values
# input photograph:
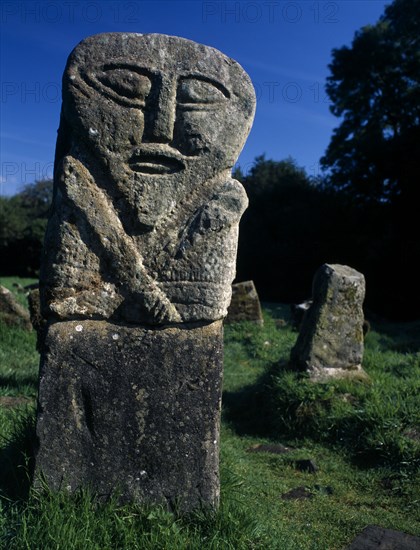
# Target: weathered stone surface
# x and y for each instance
(132, 409)
(38, 322)
(297, 312)
(245, 304)
(138, 263)
(11, 312)
(373, 538)
(330, 341)
(145, 214)
(34, 305)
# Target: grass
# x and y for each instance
(363, 438)
(18, 357)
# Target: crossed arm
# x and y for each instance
(97, 218)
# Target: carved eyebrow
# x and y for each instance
(92, 77)
(127, 67)
(211, 81)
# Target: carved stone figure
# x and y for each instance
(138, 263)
(146, 213)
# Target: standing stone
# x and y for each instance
(330, 341)
(245, 304)
(11, 312)
(297, 313)
(374, 537)
(139, 258)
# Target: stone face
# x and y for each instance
(245, 304)
(138, 263)
(132, 410)
(146, 213)
(330, 341)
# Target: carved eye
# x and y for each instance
(193, 93)
(126, 83)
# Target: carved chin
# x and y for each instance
(150, 210)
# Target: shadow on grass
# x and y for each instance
(285, 406)
(16, 381)
(249, 410)
(17, 457)
(399, 337)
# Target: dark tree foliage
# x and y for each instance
(291, 227)
(295, 224)
(23, 219)
(374, 87)
(373, 155)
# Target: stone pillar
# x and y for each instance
(138, 262)
(245, 304)
(330, 341)
(132, 409)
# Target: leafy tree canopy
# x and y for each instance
(374, 87)
(23, 219)
(271, 176)
(37, 196)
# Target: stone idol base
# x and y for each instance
(132, 410)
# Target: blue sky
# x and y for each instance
(285, 46)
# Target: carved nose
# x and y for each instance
(162, 129)
(159, 127)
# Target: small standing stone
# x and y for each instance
(298, 312)
(330, 341)
(245, 304)
(11, 312)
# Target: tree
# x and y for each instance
(35, 200)
(374, 87)
(12, 220)
(373, 156)
(23, 219)
(279, 238)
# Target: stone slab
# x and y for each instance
(330, 342)
(11, 312)
(133, 410)
(377, 538)
(245, 304)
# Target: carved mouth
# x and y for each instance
(158, 164)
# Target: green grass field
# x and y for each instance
(363, 437)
